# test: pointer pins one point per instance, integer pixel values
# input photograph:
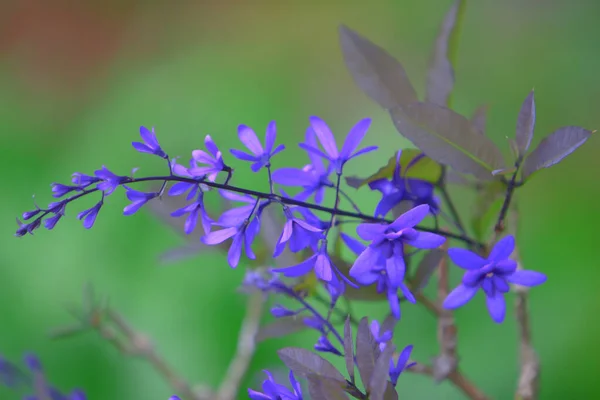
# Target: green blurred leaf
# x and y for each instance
(376, 72)
(487, 206)
(448, 138)
(554, 148)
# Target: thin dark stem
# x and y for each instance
(270, 178)
(336, 203)
(453, 211)
(272, 197)
(510, 189)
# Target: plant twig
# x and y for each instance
(245, 349)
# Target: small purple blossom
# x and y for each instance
(138, 200)
(150, 145)
(327, 140)
(272, 390)
(323, 345)
(313, 178)
(401, 365)
(380, 337)
(492, 274)
(58, 209)
(180, 188)
(279, 311)
(83, 180)
(197, 207)
(260, 157)
(211, 164)
(109, 181)
(59, 190)
(298, 233)
(27, 228)
(89, 215)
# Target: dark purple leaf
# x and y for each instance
(378, 383)
(367, 351)
(525, 124)
(448, 138)
(440, 78)
(304, 363)
(479, 119)
(388, 324)
(390, 392)
(426, 268)
(554, 148)
(280, 327)
(323, 388)
(376, 72)
(348, 349)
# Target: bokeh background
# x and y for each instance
(78, 79)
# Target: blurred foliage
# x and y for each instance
(78, 80)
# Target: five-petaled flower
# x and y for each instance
(492, 274)
(109, 181)
(260, 157)
(298, 233)
(272, 390)
(150, 145)
(327, 140)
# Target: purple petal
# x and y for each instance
(202, 157)
(148, 136)
(133, 207)
(353, 244)
(407, 293)
(211, 146)
(503, 249)
(219, 236)
(325, 136)
(527, 278)
(242, 155)
(394, 303)
(142, 148)
(299, 269)
(426, 240)
(179, 188)
(459, 296)
(235, 251)
(254, 395)
(363, 151)
(410, 218)
(355, 136)
(270, 137)
(233, 196)
(466, 259)
(315, 161)
(257, 166)
(323, 267)
(505, 267)
(365, 263)
(306, 226)
(310, 149)
(500, 284)
(395, 268)
(190, 222)
(293, 177)
(248, 137)
(278, 149)
(370, 232)
(496, 306)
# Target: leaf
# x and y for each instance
(367, 351)
(377, 384)
(389, 324)
(426, 268)
(487, 206)
(390, 392)
(304, 363)
(554, 148)
(440, 78)
(525, 124)
(479, 119)
(413, 164)
(280, 327)
(322, 388)
(348, 349)
(448, 138)
(376, 73)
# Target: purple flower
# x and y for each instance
(109, 181)
(174, 398)
(386, 251)
(150, 144)
(83, 180)
(138, 199)
(380, 337)
(59, 190)
(298, 233)
(400, 189)
(58, 209)
(260, 156)
(327, 140)
(180, 188)
(197, 207)
(492, 275)
(271, 390)
(279, 311)
(324, 345)
(27, 228)
(313, 178)
(401, 364)
(242, 224)
(320, 262)
(212, 163)
(89, 215)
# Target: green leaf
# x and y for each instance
(525, 124)
(440, 77)
(488, 204)
(376, 73)
(554, 148)
(448, 138)
(424, 168)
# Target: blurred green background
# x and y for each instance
(78, 79)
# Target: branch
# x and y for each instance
(245, 350)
